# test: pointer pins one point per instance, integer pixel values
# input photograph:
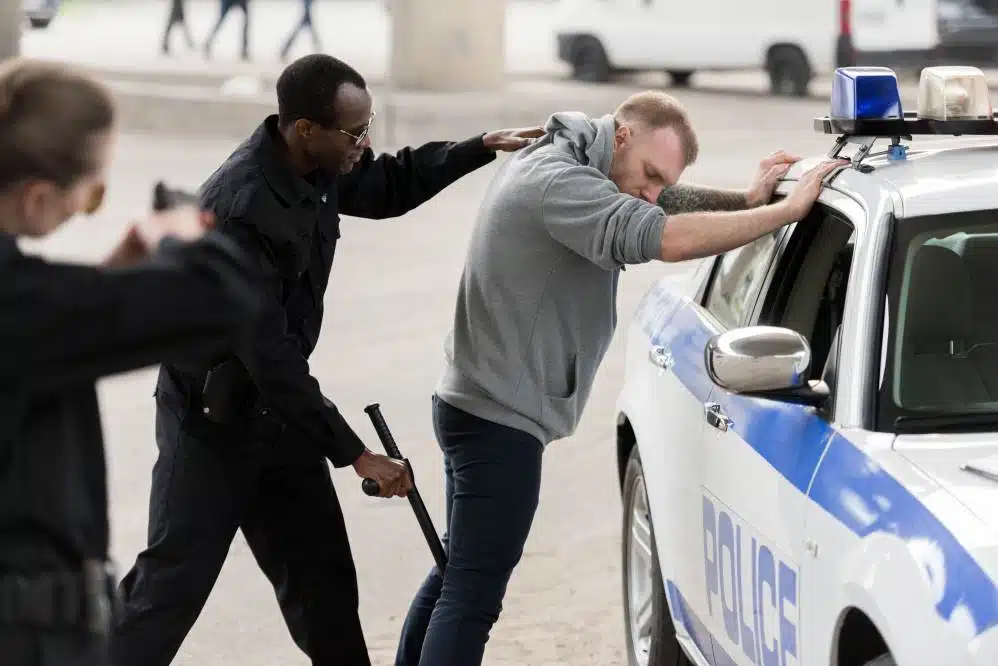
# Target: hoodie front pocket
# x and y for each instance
(563, 385)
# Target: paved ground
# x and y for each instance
(563, 606)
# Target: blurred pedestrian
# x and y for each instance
(226, 6)
(246, 438)
(535, 312)
(177, 17)
(304, 24)
(168, 290)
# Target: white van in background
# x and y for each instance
(793, 40)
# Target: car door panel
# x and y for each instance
(754, 504)
(761, 455)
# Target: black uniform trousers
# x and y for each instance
(29, 647)
(281, 495)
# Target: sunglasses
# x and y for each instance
(359, 138)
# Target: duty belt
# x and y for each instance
(83, 599)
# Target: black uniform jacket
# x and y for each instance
(291, 225)
(64, 326)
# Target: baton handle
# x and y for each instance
(370, 487)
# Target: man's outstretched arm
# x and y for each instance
(681, 198)
(696, 235)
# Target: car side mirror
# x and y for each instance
(764, 362)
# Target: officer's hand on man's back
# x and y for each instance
(511, 140)
(391, 475)
(185, 223)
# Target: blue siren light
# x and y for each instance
(866, 93)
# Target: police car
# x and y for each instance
(808, 430)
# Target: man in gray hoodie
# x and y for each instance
(536, 310)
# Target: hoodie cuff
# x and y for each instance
(651, 239)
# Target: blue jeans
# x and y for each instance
(493, 478)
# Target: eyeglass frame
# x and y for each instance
(359, 138)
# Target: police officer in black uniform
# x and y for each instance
(63, 326)
(243, 439)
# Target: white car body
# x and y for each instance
(792, 40)
(805, 535)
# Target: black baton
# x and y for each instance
(370, 487)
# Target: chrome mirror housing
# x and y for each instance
(759, 359)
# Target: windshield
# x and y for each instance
(940, 365)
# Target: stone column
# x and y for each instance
(447, 45)
(10, 28)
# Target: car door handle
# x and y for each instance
(661, 357)
(717, 418)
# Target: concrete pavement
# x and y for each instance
(564, 603)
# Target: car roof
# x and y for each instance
(939, 175)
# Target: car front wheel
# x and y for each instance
(651, 636)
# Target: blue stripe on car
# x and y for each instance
(848, 484)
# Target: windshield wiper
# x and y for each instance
(965, 421)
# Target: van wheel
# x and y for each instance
(651, 636)
(680, 77)
(39, 23)
(589, 61)
(789, 73)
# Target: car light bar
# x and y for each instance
(866, 101)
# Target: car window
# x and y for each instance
(738, 275)
(941, 351)
(808, 290)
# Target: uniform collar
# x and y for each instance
(276, 169)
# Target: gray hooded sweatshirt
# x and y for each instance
(536, 306)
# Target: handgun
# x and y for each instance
(166, 198)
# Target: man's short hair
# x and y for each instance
(50, 116)
(654, 109)
(307, 89)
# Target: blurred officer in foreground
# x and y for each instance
(243, 439)
(535, 313)
(166, 290)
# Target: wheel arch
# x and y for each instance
(626, 441)
(883, 586)
(857, 639)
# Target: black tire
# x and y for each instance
(589, 61)
(789, 72)
(883, 660)
(664, 649)
(680, 77)
(39, 23)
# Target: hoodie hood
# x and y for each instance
(588, 140)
